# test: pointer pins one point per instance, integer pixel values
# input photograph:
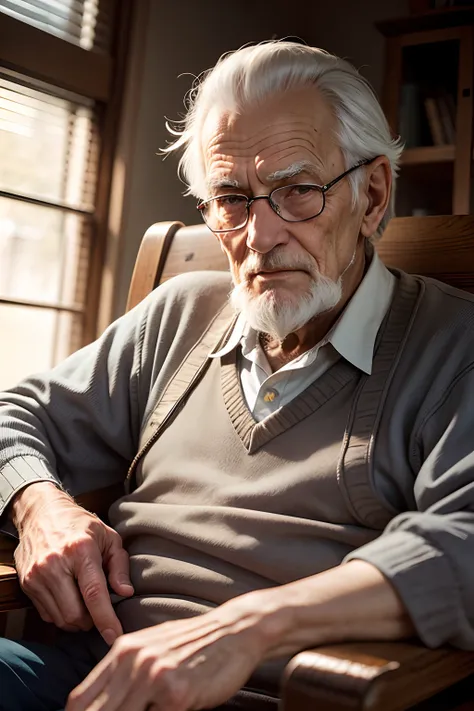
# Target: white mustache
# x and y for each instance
(279, 260)
(273, 260)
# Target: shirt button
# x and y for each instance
(270, 395)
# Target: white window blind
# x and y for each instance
(48, 169)
(86, 23)
(62, 67)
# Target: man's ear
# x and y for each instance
(377, 192)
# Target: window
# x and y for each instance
(87, 23)
(57, 132)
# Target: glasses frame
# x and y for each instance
(322, 188)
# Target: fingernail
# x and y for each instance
(110, 636)
(125, 583)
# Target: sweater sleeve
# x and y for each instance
(428, 554)
(77, 424)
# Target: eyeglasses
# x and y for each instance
(293, 203)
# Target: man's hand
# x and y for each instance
(61, 558)
(201, 662)
(187, 664)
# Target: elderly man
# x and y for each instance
(308, 482)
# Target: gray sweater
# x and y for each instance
(405, 468)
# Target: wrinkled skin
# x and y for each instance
(63, 553)
(185, 664)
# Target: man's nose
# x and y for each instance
(265, 229)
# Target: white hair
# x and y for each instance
(252, 74)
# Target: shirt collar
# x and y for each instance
(354, 333)
(240, 329)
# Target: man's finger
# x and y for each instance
(45, 616)
(84, 695)
(93, 587)
(123, 692)
(107, 686)
(137, 699)
(117, 565)
(50, 612)
(69, 601)
(46, 605)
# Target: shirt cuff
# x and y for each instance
(18, 473)
(423, 578)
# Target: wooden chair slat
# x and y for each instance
(438, 246)
(151, 260)
(441, 247)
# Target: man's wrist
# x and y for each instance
(271, 618)
(35, 494)
(350, 602)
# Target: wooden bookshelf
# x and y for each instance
(428, 154)
(439, 19)
(428, 98)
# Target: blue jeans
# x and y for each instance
(37, 677)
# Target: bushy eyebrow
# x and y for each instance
(301, 166)
(216, 183)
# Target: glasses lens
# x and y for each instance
(225, 212)
(298, 202)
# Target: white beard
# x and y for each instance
(280, 315)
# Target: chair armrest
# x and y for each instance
(11, 595)
(7, 548)
(371, 676)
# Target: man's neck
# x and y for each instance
(279, 352)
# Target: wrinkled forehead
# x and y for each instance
(294, 128)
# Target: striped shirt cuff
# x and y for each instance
(18, 473)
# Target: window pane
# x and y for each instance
(87, 23)
(48, 146)
(43, 253)
(51, 332)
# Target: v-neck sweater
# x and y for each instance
(377, 467)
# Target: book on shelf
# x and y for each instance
(410, 115)
(441, 115)
(446, 120)
(451, 109)
(434, 121)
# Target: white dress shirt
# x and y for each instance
(352, 337)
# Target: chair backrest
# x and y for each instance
(441, 247)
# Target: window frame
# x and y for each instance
(94, 75)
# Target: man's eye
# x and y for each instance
(300, 190)
(229, 200)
